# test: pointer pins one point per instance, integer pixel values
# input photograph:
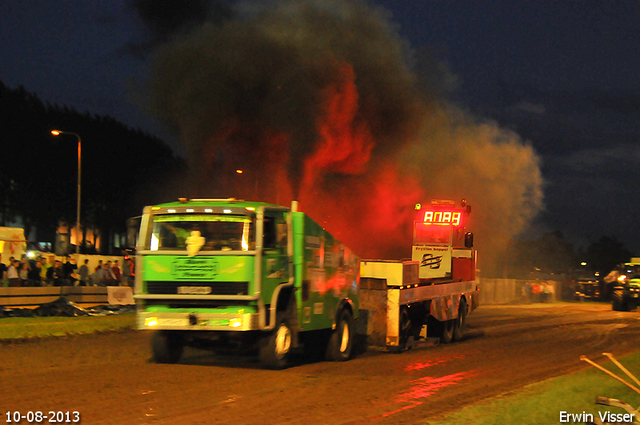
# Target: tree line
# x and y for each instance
(551, 254)
(123, 168)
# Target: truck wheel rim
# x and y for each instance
(283, 340)
(344, 343)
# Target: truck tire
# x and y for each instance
(446, 331)
(341, 341)
(275, 348)
(167, 346)
(618, 302)
(461, 322)
(406, 336)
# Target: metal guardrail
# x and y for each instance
(35, 296)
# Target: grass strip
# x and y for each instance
(542, 402)
(41, 327)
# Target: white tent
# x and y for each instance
(12, 243)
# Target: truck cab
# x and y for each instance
(234, 272)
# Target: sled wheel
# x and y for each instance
(406, 336)
(460, 322)
(447, 328)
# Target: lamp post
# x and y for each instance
(79, 234)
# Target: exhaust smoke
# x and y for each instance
(317, 101)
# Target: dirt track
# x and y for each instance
(109, 380)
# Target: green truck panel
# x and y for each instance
(203, 268)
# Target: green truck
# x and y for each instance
(231, 272)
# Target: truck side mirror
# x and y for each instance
(468, 240)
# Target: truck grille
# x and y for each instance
(217, 288)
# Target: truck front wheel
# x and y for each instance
(341, 340)
(275, 348)
(167, 346)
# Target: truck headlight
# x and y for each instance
(235, 323)
(151, 321)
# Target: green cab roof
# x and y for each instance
(221, 203)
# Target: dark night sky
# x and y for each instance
(562, 74)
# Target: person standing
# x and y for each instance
(548, 292)
(102, 277)
(24, 273)
(126, 272)
(13, 274)
(3, 271)
(44, 272)
(111, 280)
(84, 273)
(99, 266)
(70, 268)
(34, 274)
(57, 274)
(536, 292)
(115, 270)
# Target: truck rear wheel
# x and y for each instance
(446, 333)
(460, 322)
(167, 346)
(341, 340)
(275, 348)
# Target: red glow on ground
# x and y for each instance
(424, 365)
(425, 387)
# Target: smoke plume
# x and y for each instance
(317, 101)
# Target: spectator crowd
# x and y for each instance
(50, 271)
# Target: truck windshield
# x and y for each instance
(427, 233)
(218, 232)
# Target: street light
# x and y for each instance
(79, 234)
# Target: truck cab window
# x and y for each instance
(269, 233)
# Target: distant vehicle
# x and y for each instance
(587, 289)
(626, 290)
(37, 249)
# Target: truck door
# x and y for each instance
(275, 261)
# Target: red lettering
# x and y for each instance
(443, 217)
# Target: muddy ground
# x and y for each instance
(109, 379)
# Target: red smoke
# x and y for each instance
(344, 140)
(367, 206)
(371, 213)
(319, 104)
